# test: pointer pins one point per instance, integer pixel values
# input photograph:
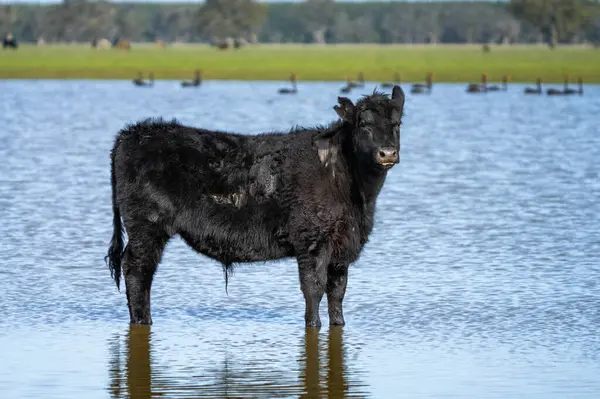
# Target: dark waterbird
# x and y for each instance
(504, 86)
(354, 85)
(566, 89)
(420, 88)
(478, 88)
(555, 92)
(349, 85)
(139, 81)
(308, 194)
(361, 80)
(194, 83)
(580, 83)
(538, 88)
(387, 85)
(294, 88)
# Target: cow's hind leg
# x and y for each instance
(313, 279)
(142, 255)
(337, 279)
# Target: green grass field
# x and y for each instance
(449, 63)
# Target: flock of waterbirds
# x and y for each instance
(416, 88)
(196, 82)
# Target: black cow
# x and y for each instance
(308, 194)
(9, 42)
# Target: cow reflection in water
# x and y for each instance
(136, 378)
(336, 384)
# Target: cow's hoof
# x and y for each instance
(313, 323)
(141, 320)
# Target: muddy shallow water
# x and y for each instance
(480, 278)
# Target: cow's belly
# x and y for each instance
(231, 237)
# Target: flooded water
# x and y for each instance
(481, 278)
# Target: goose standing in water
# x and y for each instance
(537, 90)
(391, 84)
(294, 88)
(139, 81)
(194, 83)
(478, 88)
(504, 86)
(420, 88)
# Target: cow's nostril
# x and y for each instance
(382, 154)
(394, 153)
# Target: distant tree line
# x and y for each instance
(312, 21)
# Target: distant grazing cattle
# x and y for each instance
(123, 44)
(308, 194)
(103, 44)
(224, 44)
(239, 42)
(9, 42)
(100, 43)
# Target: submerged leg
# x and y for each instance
(142, 255)
(313, 279)
(337, 279)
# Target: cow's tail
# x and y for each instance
(115, 250)
(228, 272)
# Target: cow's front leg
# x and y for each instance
(337, 279)
(313, 280)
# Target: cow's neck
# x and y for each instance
(369, 184)
(364, 186)
(365, 189)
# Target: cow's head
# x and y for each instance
(375, 124)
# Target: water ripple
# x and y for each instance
(480, 278)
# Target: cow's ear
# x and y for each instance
(398, 96)
(398, 104)
(346, 110)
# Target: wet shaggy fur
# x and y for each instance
(309, 194)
